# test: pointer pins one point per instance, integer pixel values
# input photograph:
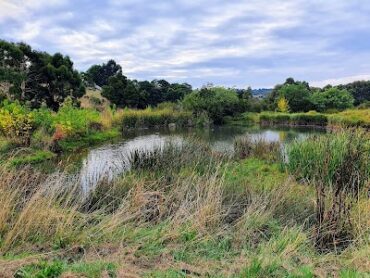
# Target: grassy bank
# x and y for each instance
(348, 118)
(42, 133)
(180, 211)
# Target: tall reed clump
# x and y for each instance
(338, 166)
(174, 155)
(247, 146)
(154, 117)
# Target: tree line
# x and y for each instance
(35, 78)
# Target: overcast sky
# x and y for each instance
(241, 43)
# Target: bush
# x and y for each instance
(332, 98)
(217, 102)
(16, 122)
(74, 122)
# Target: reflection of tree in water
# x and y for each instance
(283, 136)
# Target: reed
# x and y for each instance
(246, 146)
(338, 166)
(154, 117)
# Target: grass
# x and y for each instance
(360, 117)
(32, 157)
(57, 267)
(184, 212)
(71, 144)
(347, 118)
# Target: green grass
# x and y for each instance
(72, 144)
(51, 269)
(34, 157)
(360, 117)
(254, 173)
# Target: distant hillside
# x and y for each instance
(261, 93)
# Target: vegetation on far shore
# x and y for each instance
(347, 118)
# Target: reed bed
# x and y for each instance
(347, 118)
(153, 117)
(338, 165)
(181, 209)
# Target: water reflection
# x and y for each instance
(110, 160)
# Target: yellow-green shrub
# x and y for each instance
(16, 122)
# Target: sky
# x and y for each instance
(243, 43)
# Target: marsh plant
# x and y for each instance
(247, 146)
(338, 166)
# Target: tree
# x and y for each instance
(332, 98)
(283, 105)
(297, 95)
(217, 102)
(123, 92)
(177, 92)
(99, 74)
(360, 90)
(38, 77)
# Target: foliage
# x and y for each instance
(217, 102)
(124, 92)
(37, 77)
(16, 122)
(72, 121)
(332, 98)
(297, 95)
(360, 90)
(283, 105)
(100, 74)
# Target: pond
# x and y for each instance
(111, 159)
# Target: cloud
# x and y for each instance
(241, 43)
(21, 9)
